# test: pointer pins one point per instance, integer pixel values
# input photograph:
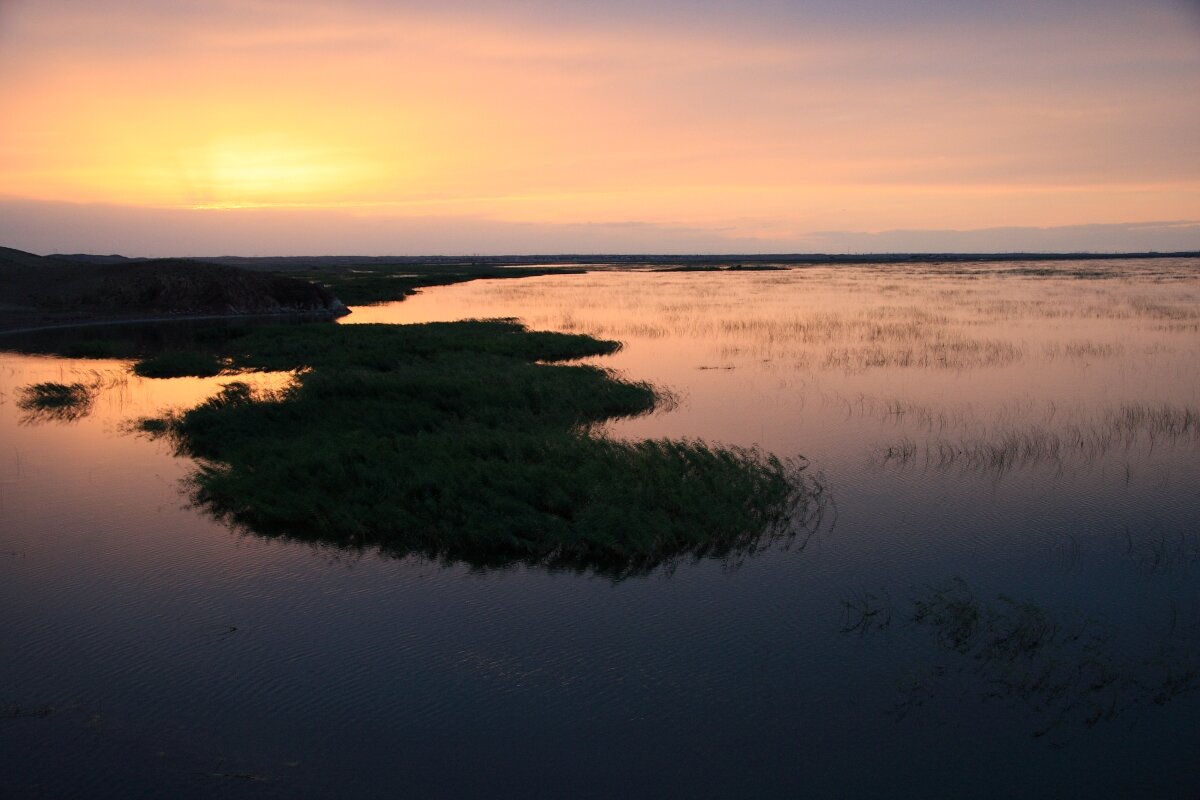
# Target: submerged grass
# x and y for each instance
(457, 441)
(1067, 670)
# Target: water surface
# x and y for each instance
(1001, 601)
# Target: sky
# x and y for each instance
(377, 127)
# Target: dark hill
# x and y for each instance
(37, 291)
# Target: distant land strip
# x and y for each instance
(602, 259)
(72, 290)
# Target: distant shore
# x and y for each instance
(79, 290)
(602, 260)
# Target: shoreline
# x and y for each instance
(107, 321)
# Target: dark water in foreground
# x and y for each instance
(1002, 600)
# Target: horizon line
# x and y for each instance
(602, 257)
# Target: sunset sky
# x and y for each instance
(530, 126)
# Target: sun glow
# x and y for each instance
(237, 173)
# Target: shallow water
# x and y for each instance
(1001, 599)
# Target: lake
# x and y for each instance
(997, 595)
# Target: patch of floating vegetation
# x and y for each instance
(460, 441)
(63, 402)
(1067, 670)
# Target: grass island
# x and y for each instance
(468, 441)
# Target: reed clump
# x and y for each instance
(461, 441)
(1003, 448)
(64, 402)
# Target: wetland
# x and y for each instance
(642, 532)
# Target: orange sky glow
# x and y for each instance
(381, 127)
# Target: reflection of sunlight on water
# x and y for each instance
(120, 393)
(50, 456)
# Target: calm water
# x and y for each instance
(1000, 600)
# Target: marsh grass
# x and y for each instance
(179, 364)
(947, 352)
(1068, 671)
(1002, 448)
(1083, 350)
(64, 402)
(1157, 550)
(859, 319)
(868, 332)
(463, 441)
(137, 340)
(98, 348)
(867, 612)
(378, 283)
(54, 395)
(883, 336)
(1166, 307)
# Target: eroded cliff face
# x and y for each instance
(36, 290)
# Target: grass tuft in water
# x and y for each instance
(58, 401)
(459, 441)
(1068, 671)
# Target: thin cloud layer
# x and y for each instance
(47, 227)
(754, 121)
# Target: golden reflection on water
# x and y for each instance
(121, 394)
(53, 467)
(844, 364)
